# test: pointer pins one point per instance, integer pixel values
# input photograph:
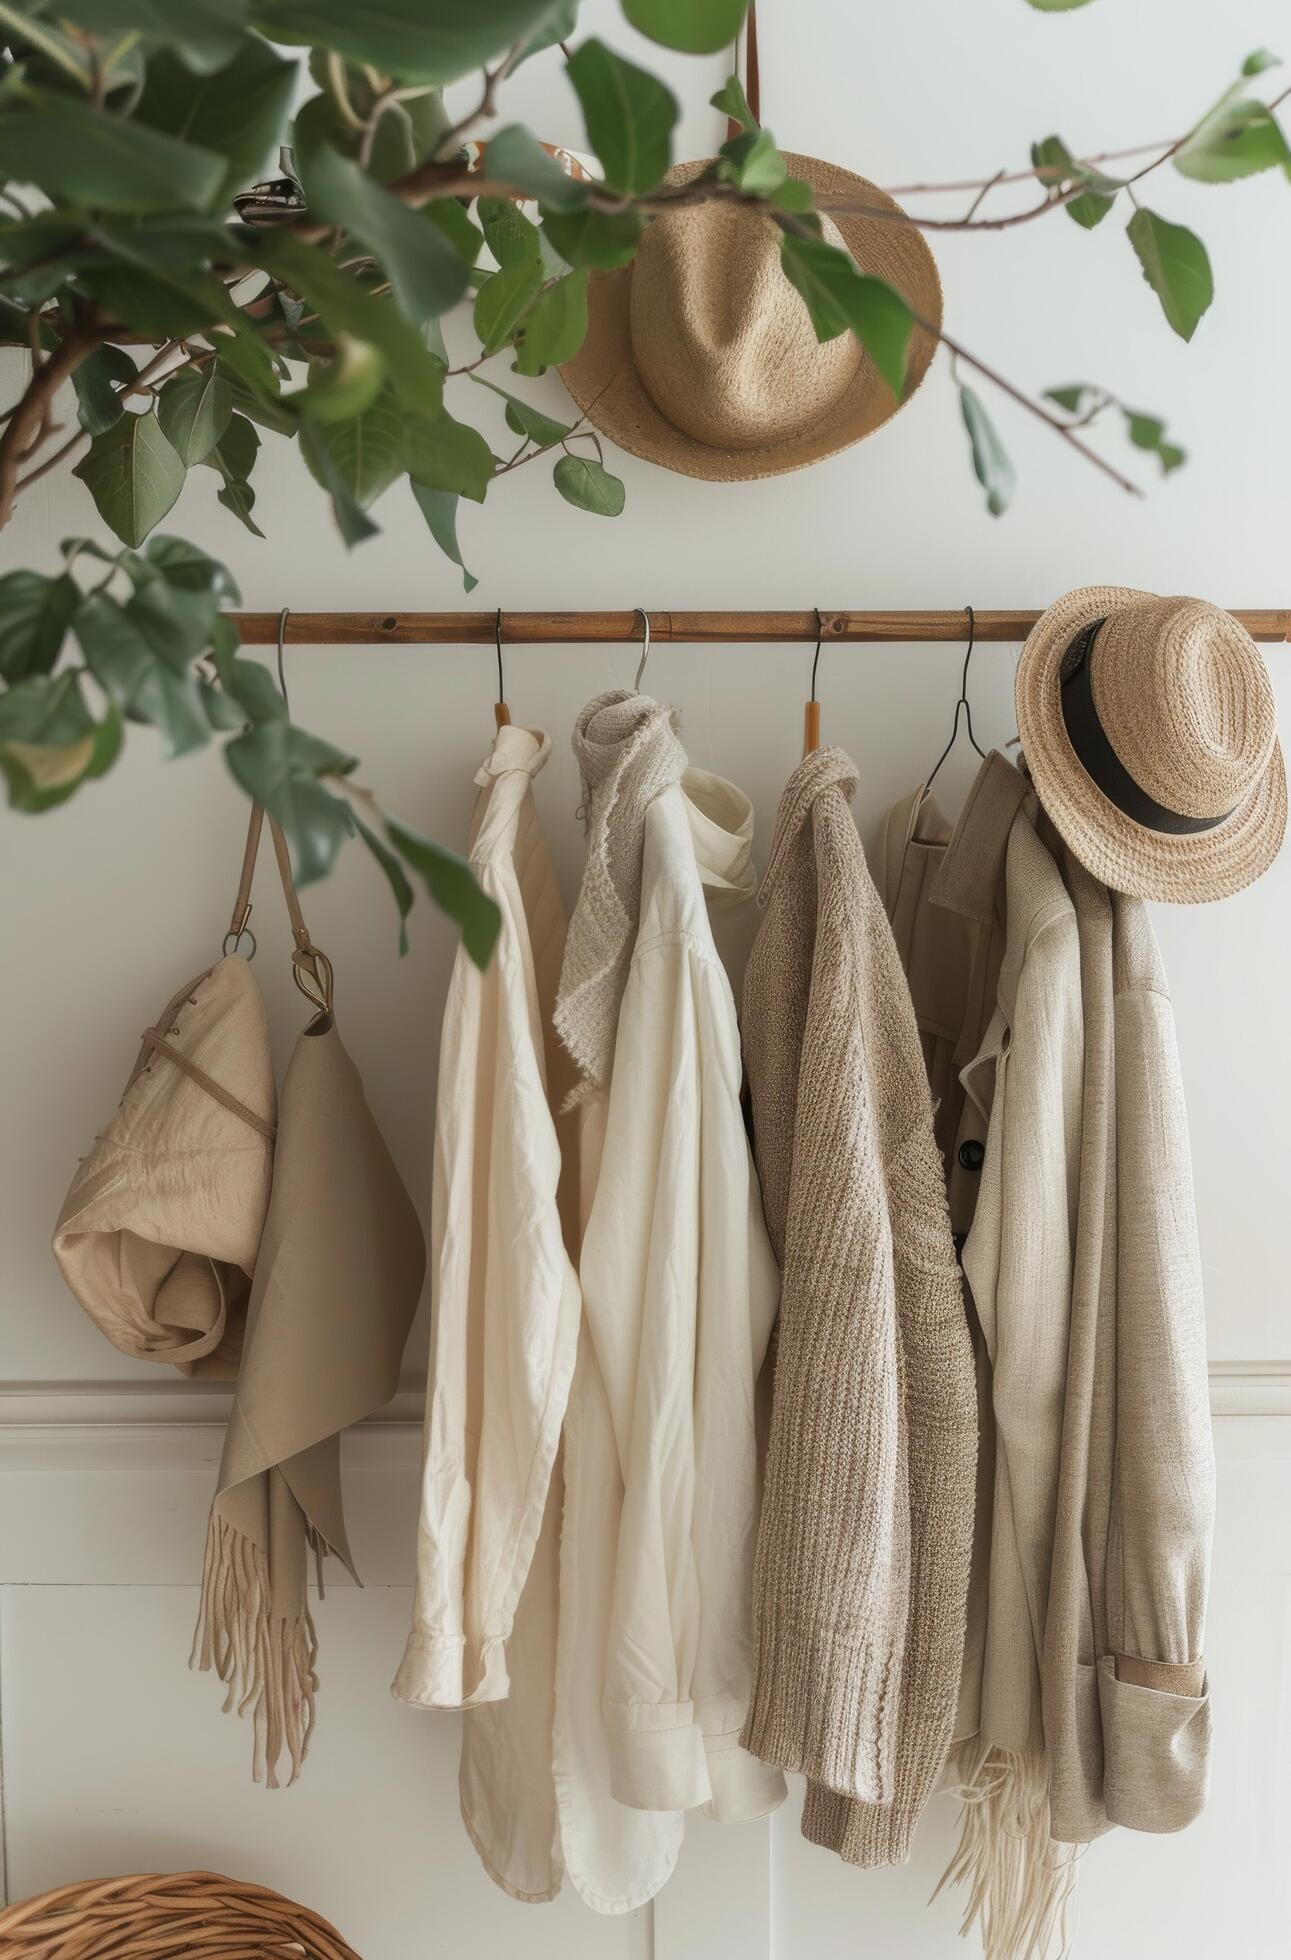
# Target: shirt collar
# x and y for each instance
(971, 871)
(514, 749)
(721, 829)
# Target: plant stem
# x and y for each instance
(31, 416)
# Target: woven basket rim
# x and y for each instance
(95, 1917)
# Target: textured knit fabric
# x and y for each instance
(1126, 1702)
(630, 1660)
(866, 1530)
(506, 1299)
(628, 751)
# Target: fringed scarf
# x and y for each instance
(1021, 1885)
(336, 1286)
(628, 753)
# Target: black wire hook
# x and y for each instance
(497, 641)
(283, 617)
(815, 659)
(962, 703)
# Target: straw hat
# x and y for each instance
(701, 356)
(1150, 731)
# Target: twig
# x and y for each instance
(31, 416)
(451, 139)
(982, 195)
(51, 462)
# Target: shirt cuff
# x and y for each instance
(657, 1759)
(742, 1787)
(1156, 1751)
(449, 1672)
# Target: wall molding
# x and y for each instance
(126, 1424)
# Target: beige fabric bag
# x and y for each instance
(190, 1238)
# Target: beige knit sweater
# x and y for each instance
(867, 1520)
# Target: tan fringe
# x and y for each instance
(1021, 1884)
(266, 1662)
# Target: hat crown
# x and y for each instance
(1186, 702)
(722, 341)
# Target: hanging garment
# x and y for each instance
(337, 1278)
(866, 1531)
(944, 894)
(1023, 1095)
(506, 1298)
(1126, 1700)
(630, 1659)
(158, 1234)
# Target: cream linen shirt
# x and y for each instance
(632, 1654)
(505, 1295)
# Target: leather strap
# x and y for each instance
(746, 58)
(156, 1039)
(1099, 759)
(312, 968)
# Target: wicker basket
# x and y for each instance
(162, 1914)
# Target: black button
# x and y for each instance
(971, 1154)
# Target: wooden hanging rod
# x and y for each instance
(689, 628)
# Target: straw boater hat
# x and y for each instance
(1150, 731)
(701, 356)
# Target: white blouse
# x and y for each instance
(629, 1664)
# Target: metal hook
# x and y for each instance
(283, 617)
(815, 659)
(644, 617)
(961, 703)
(501, 712)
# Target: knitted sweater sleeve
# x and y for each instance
(831, 1582)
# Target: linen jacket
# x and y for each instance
(632, 1655)
(505, 1294)
(866, 1529)
(1126, 1701)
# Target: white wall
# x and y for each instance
(113, 900)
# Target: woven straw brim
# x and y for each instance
(1121, 853)
(603, 379)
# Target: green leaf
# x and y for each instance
(839, 296)
(35, 613)
(555, 327)
(1261, 59)
(188, 568)
(238, 110)
(1144, 431)
(134, 476)
(385, 857)
(450, 882)
(49, 742)
(555, 26)
(991, 464)
(1073, 397)
(509, 235)
(503, 300)
(513, 156)
(353, 525)
(734, 103)
(1176, 267)
(465, 237)
(752, 161)
(280, 765)
(589, 486)
(405, 38)
(603, 239)
(1056, 6)
(194, 410)
(1237, 139)
(148, 678)
(1058, 170)
(445, 454)
(105, 162)
(367, 452)
(692, 26)
(629, 116)
(252, 690)
(525, 419)
(205, 32)
(797, 196)
(98, 404)
(439, 508)
(343, 386)
(427, 275)
(347, 307)
(267, 410)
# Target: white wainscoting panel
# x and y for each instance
(116, 1758)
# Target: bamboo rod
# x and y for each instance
(372, 629)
